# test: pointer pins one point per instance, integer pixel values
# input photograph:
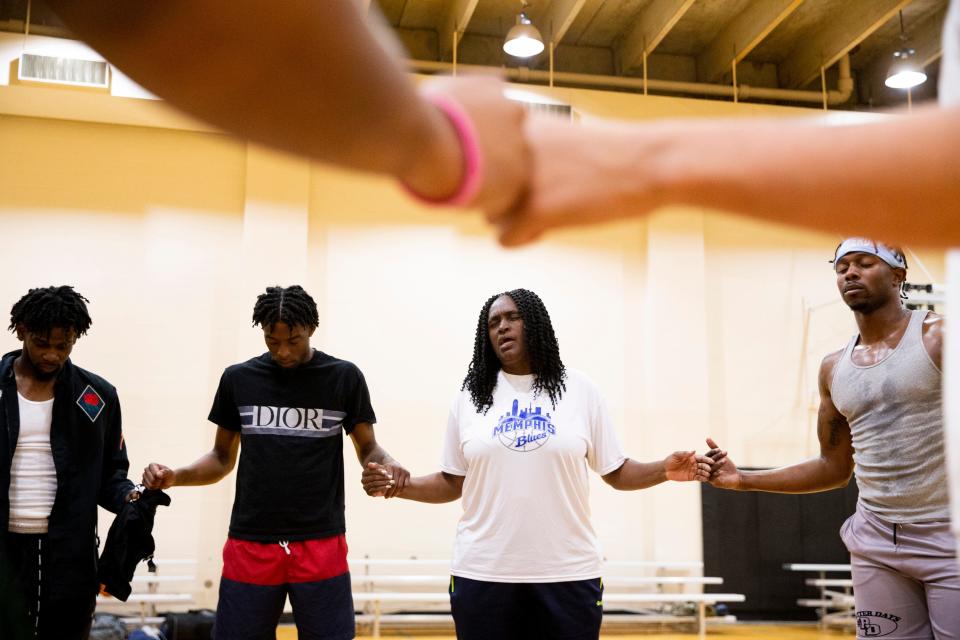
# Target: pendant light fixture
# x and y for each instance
(523, 40)
(904, 73)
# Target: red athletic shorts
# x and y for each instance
(283, 563)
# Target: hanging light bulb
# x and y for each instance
(904, 73)
(523, 39)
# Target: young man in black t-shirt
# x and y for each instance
(289, 408)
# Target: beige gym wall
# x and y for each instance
(692, 323)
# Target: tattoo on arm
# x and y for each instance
(836, 424)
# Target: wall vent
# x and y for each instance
(69, 71)
(537, 103)
(558, 110)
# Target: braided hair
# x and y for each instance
(291, 305)
(541, 345)
(903, 285)
(43, 309)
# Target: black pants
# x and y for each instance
(526, 611)
(27, 613)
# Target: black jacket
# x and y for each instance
(91, 461)
(129, 541)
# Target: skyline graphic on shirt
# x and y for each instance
(524, 430)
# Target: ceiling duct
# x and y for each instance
(837, 96)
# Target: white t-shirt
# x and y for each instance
(33, 476)
(526, 507)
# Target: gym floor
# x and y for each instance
(731, 632)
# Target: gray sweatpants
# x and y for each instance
(906, 580)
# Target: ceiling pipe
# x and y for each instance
(836, 96)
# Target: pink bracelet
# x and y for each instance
(472, 158)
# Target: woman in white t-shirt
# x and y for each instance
(520, 436)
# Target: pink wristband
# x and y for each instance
(472, 158)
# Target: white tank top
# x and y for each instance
(895, 414)
(33, 476)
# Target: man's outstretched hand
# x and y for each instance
(723, 472)
(683, 466)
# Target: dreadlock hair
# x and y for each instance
(540, 342)
(291, 305)
(903, 285)
(47, 308)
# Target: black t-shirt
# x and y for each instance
(291, 424)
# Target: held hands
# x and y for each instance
(723, 472)
(499, 127)
(583, 174)
(682, 466)
(541, 172)
(158, 476)
(387, 480)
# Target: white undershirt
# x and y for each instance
(33, 476)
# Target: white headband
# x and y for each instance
(865, 245)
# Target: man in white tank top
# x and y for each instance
(881, 415)
(61, 454)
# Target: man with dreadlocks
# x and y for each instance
(288, 408)
(881, 419)
(520, 437)
(61, 454)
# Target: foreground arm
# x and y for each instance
(845, 179)
(313, 78)
(208, 469)
(679, 466)
(830, 470)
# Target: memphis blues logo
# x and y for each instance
(524, 429)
